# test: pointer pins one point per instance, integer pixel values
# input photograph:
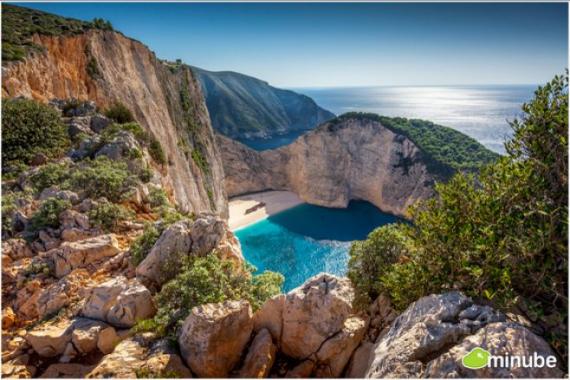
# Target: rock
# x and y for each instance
(360, 361)
(49, 242)
(54, 192)
(166, 365)
(107, 340)
(270, 316)
(213, 337)
(75, 108)
(427, 327)
(314, 312)
(84, 253)
(79, 125)
(120, 302)
(85, 336)
(16, 248)
(19, 221)
(18, 371)
(260, 357)
(69, 353)
(181, 239)
(76, 234)
(8, 318)
(124, 362)
(500, 339)
(74, 219)
(39, 159)
(26, 300)
(335, 352)
(302, 370)
(50, 340)
(120, 147)
(66, 371)
(86, 148)
(60, 294)
(99, 123)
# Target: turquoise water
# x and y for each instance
(306, 240)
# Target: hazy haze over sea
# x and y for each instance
(478, 111)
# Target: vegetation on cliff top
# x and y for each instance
(19, 24)
(442, 145)
(500, 236)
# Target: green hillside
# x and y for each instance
(242, 106)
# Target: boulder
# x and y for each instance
(360, 361)
(8, 318)
(119, 302)
(125, 361)
(79, 125)
(55, 192)
(50, 340)
(86, 333)
(336, 351)
(270, 317)
(260, 356)
(120, 147)
(431, 335)
(16, 249)
(99, 123)
(107, 340)
(60, 294)
(74, 219)
(166, 365)
(314, 312)
(214, 335)
(66, 371)
(181, 239)
(500, 339)
(301, 370)
(26, 300)
(84, 253)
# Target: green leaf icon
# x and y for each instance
(476, 358)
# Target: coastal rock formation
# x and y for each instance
(336, 163)
(105, 67)
(260, 357)
(431, 337)
(245, 107)
(214, 335)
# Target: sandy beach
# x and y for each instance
(250, 208)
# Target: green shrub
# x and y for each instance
(93, 68)
(144, 243)
(35, 268)
(30, 128)
(101, 24)
(119, 113)
(50, 175)
(156, 152)
(208, 280)
(107, 215)
(500, 237)
(200, 161)
(158, 197)
(103, 177)
(48, 214)
(8, 209)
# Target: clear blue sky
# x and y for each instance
(320, 44)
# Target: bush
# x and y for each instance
(48, 214)
(103, 177)
(156, 152)
(208, 280)
(500, 237)
(119, 113)
(158, 197)
(200, 161)
(8, 209)
(108, 215)
(50, 175)
(144, 243)
(30, 128)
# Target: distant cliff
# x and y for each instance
(70, 59)
(241, 106)
(355, 156)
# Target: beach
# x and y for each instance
(251, 208)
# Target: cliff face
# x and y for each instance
(105, 67)
(243, 107)
(336, 163)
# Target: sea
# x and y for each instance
(306, 240)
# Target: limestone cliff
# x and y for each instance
(337, 162)
(105, 66)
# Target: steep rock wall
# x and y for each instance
(336, 163)
(107, 67)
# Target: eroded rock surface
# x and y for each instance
(84, 253)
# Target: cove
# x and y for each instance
(305, 240)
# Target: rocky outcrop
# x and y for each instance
(166, 101)
(120, 302)
(432, 336)
(213, 337)
(260, 356)
(335, 163)
(184, 239)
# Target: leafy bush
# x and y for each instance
(199, 159)
(101, 24)
(103, 177)
(108, 215)
(156, 152)
(144, 243)
(50, 175)
(8, 209)
(208, 280)
(30, 128)
(158, 197)
(119, 113)
(48, 214)
(501, 236)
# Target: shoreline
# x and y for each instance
(248, 209)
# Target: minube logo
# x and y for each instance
(480, 358)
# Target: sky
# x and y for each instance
(342, 44)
